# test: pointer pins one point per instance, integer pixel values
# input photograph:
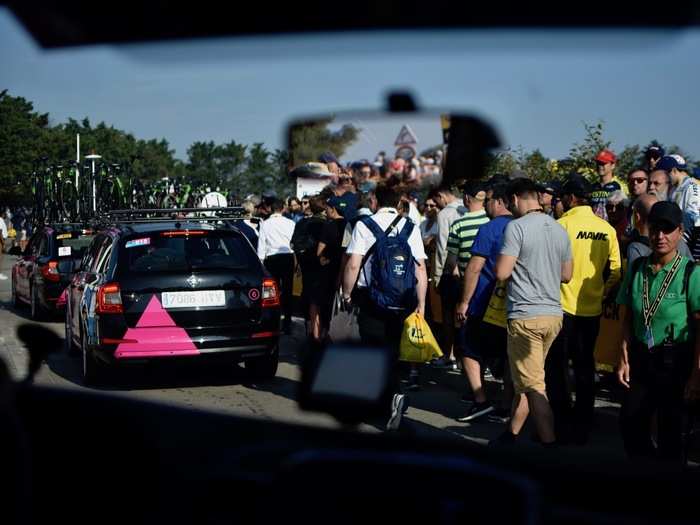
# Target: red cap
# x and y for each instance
(606, 156)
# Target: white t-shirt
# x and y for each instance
(3, 228)
(414, 214)
(275, 236)
(363, 239)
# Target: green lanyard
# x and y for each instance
(650, 310)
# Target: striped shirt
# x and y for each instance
(462, 234)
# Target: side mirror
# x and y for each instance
(15, 250)
(469, 142)
(351, 382)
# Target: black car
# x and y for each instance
(47, 265)
(172, 290)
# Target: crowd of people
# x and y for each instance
(517, 273)
(16, 226)
(551, 254)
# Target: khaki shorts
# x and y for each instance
(529, 341)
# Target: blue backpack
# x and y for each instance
(393, 284)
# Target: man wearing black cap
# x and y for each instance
(652, 155)
(595, 251)
(548, 192)
(660, 362)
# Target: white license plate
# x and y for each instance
(204, 298)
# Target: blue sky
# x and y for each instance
(535, 87)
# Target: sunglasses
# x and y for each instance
(640, 180)
(304, 203)
(600, 163)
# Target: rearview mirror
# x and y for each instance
(15, 250)
(351, 382)
(414, 150)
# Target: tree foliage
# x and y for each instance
(309, 140)
(26, 136)
(581, 158)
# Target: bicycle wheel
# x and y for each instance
(67, 199)
(38, 191)
(49, 204)
(104, 197)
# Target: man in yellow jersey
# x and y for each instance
(597, 270)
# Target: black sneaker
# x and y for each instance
(476, 410)
(468, 397)
(443, 363)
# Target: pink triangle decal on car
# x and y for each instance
(156, 335)
(155, 315)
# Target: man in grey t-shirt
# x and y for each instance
(536, 258)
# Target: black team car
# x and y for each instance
(172, 290)
(47, 265)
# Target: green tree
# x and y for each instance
(24, 136)
(536, 165)
(629, 158)
(230, 160)
(502, 162)
(582, 154)
(308, 140)
(265, 171)
(201, 163)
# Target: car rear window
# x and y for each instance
(174, 251)
(70, 247)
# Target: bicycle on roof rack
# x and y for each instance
(110, 187)
(66, 183)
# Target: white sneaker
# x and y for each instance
(397, 408)
(3, 277)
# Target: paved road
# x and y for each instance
(433, 410)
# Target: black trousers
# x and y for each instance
(381, 329)
(282, 268)
(657, 384)
(575, 342)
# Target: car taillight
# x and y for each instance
(109, 299)
(270, 293)
(50, 271)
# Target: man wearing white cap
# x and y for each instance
(683, 192)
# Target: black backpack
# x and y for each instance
(305, 237)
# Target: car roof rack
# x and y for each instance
(150, 215)
(82, 225)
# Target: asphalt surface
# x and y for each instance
(432, 411)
